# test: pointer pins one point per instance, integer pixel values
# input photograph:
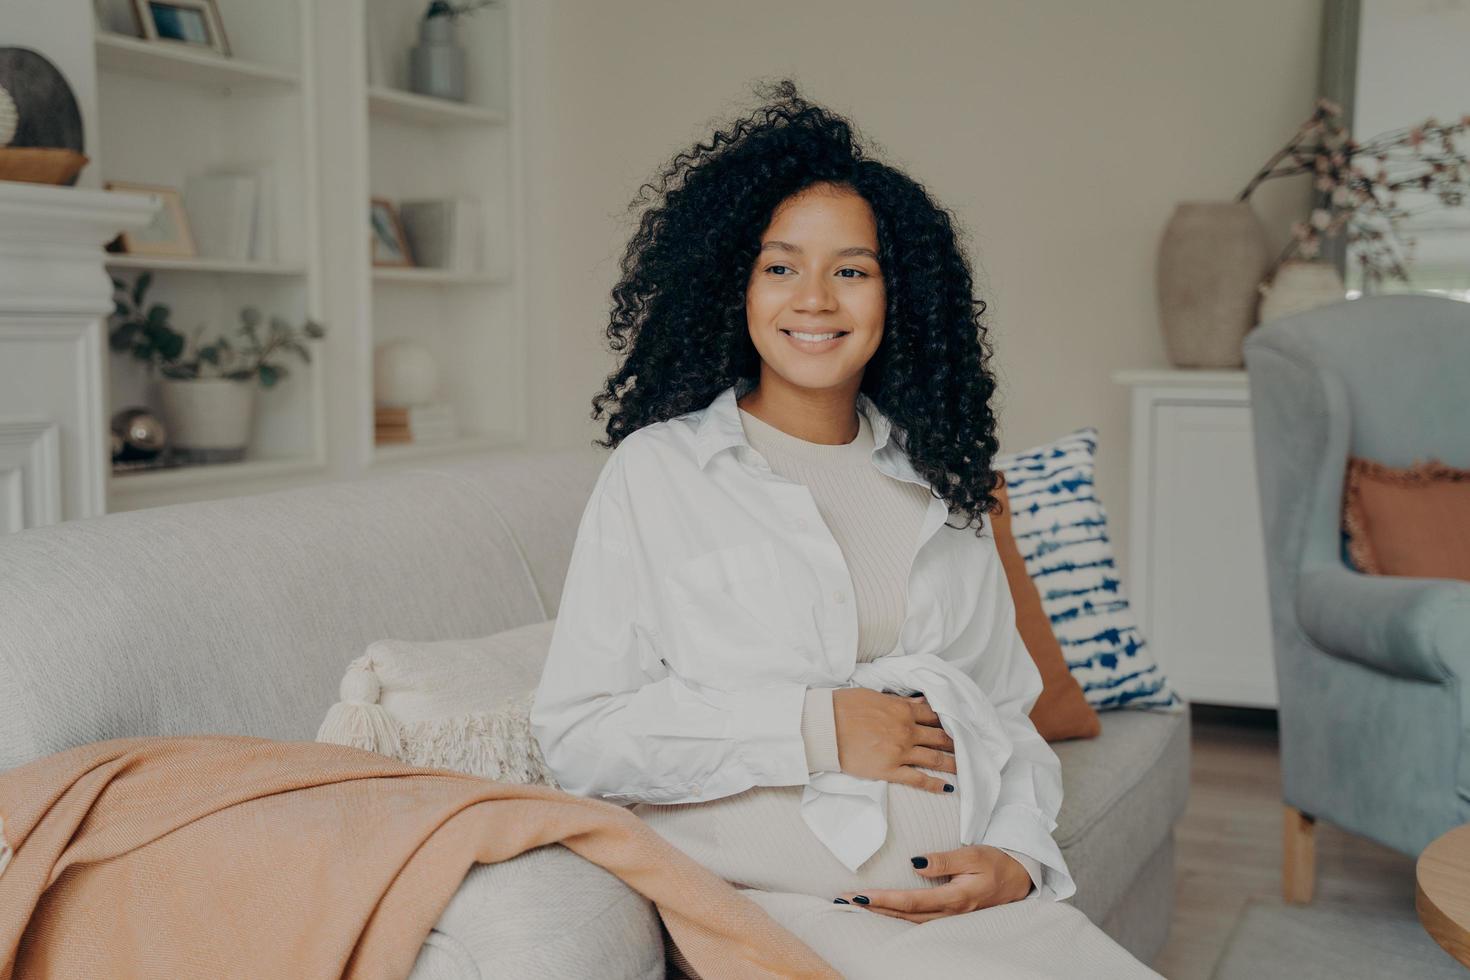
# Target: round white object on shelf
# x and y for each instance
(404, 374)
(9, 117)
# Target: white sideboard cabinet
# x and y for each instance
(1197, 553)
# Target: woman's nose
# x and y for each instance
(815, 294)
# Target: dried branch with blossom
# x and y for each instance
(1363, 181)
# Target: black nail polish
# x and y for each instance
(860, 899)
(948, 788)
(920, 862)
(840, 901)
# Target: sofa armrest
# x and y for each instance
(545, 913)
(1417, 628)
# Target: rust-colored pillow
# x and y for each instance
(1062, 711)
(1412, 521)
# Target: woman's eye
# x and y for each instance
(860, 272)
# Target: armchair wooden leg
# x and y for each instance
(1298, 856)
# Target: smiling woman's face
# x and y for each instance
(817, 273)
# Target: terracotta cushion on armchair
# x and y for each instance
(1411, 521)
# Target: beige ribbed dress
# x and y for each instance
(757, 839)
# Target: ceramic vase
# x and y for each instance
(209, 418)
(1301, 284)
(436, 63)
(1211, 259)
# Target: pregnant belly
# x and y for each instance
(757, 839)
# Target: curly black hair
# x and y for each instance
(679, 308)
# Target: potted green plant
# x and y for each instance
(208, 391)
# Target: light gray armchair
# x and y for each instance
(1373, 671)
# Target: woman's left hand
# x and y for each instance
(980, 876)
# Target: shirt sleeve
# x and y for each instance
(991, 651)
(610, 717)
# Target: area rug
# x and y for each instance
(1331, 941)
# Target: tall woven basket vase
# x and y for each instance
(1212, 257)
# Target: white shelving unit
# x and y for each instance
(295, 96)
(421, 147)
(436, 277)
(235, 266)
(182, 65)
(424, 110)
(493, 440)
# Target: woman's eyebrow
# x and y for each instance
(850, 250)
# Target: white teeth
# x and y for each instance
(812, 336)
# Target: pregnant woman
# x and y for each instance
(785, 637)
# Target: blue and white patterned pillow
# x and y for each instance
(1062, 533)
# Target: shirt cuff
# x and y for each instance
(819, 731)
(1017, 827)
(1032, 866)
(768, 724)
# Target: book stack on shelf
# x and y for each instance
(434, 422)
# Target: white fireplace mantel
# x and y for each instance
(55, 297)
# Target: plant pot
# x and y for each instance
(1301, 284)
(1211, 259)
(209, 418)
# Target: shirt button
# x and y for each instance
(839, 596)
(801, 523)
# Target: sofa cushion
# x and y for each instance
(533, 493)
(547, 913)
(1412, 520)
(236, 616)
(1062, 532)
(461, 704)
(1062, 711)
(1122, 792)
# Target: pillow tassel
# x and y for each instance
(494, 745)
(358, 719)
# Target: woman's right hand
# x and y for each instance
(886, 736)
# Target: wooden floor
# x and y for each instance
(1228, 845)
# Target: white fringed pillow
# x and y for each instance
(447, 704)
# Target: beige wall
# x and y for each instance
(1061, 134)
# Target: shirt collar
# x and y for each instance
(718, 427)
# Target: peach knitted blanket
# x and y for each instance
(232, 856)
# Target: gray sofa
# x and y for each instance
(240, 616)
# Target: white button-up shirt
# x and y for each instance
(706, 594)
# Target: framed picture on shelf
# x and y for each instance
(390, 244)
(117, 17)
(168, 234)
(195, 22)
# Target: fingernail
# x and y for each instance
(860, 899)
(920, 862)
(917, 694)
(840, 901)
(948, 788)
